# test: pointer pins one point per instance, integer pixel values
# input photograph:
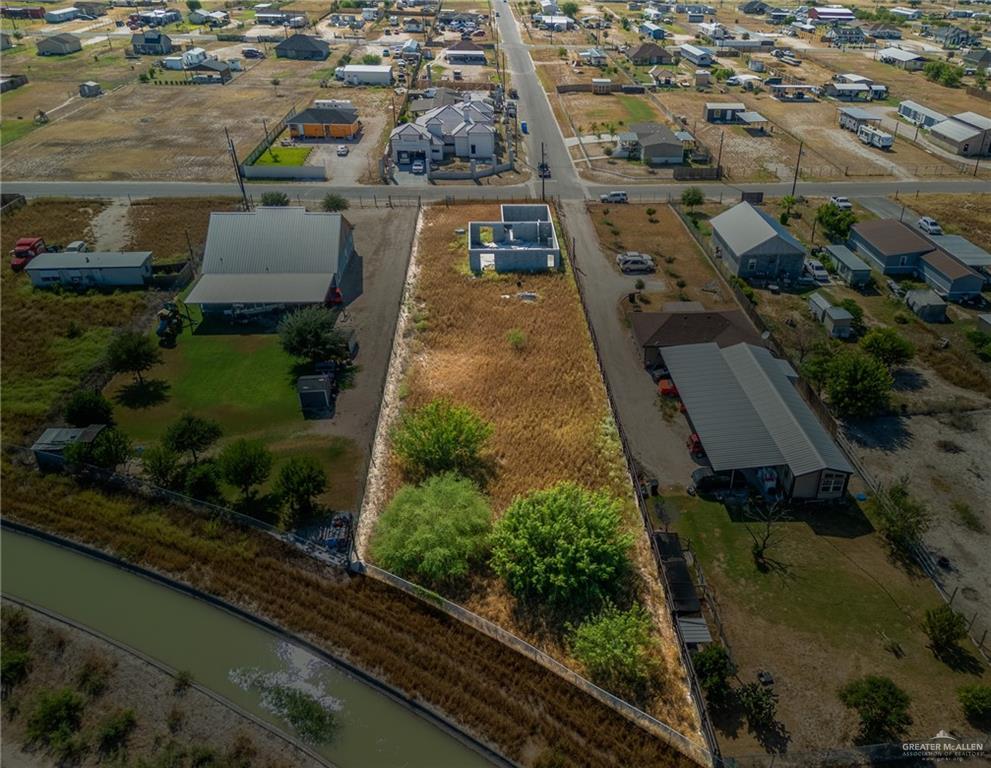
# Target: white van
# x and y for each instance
(614, 197)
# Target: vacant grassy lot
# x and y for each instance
(833, 608)
(968, 215)
(529, 714)
(546, 401)
(162, 225)
(592, 112)
(51, 341)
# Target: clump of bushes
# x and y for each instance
(440, 437)
(618, 650)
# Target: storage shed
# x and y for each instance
(316, 394)
(837, 321)
(89, 89)
(723, 112)
(90, 270)
(851, 269)
(50, 447)
(59, 45)
(927, 305)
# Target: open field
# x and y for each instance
(814, 639)
(525, 712)
(546, 402)
(590, 113)
(169, 227)
(51, 341)
(59, 651)
(966, 215)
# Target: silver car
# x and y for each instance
(633, 262)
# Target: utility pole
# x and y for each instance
(540, 170)
(798, 163)
(977, 164)
(719, 157)
(237, 168)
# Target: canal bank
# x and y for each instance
(236, 659)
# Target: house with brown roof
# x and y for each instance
(948, 277)
(688, 322)
(649, 54)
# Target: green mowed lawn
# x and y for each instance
(247, 384)
(284, 156)
(637, 110)
(12, 130)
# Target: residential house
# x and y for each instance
(651, 31)
(557, 23)
(700, 57)
(882, 31)
(465, 130)
(592, 57)
(365, 74)
(210, 18)
(929, 307)
(752, 422)
(279, 257)
(901, 58)
(837, 321)
(523, 240)
(843, 34)
(950, 36)
(413, 25)
(647, 54)
(751, 45)
(715, 31)
(847, 92)
(151, 43)
(282, 19)
(755, 7)
(756, 245)
(849, 267)
(977, 58)
(159, 17)
(653, 144)
(59, 45)
(906, 14)
(919, 115)
(69, 269)
(60, 15)
(464, 52)
(723, 112)
(966, 252)
(325, 123)
(892, 246)
(688, 322)
(303, 47)
(966, 133)
(210, 71)
(22, 11)
(370, 14)
(948, 277)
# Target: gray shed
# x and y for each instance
(927, 305)
(852, 269)
(48, 449)
(316, 394)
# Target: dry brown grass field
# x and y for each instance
(525, 712)
(967, 215)
(546, 402)
(162, 225)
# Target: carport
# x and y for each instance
(754, 121)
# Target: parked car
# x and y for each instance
(843, 203)
(76, 246)
(930, 225)
(817, 270)
(614, 197)
(252, 53)
(25, 249)
(705, 481)
(632, 262)
(342, 151)
(418, 167)
(544, 171)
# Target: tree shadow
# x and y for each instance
(726, 714)
(264, 507)
(844, 520)
(959, 659)
(885, 433)
(908, 380)
(774, 738)
(148, 394)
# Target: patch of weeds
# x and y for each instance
(183, 679)
(93, 676)
(968, 517)
(516, 339)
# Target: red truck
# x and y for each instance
(25, 249)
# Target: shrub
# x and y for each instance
(161, 464)
(714, 667)
(275, 199)
(371, 59)
(88, 406)
(15, 665)
(309, 334)
(639, 284)
(858, 385)
(311, 720)
(183, 679)
(901, 519)
(109, 450)
(192, 434)
(440, 437)
(132, 352)
(617, 649)
(563, 545)
(516, 339)
(55, 718)
(691, 197)
(945, 628)
(300, 481)
(112, 733)
(203, 483)
(851, 306)
(975, 700)
(332, 203)
(783, 218)
(93, 676)
(434, 533)
(888, 347)
(881, 705)
(245, 464)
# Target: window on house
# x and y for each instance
(832, 482)
(752, 265)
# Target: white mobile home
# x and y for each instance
(365, 74)
(90, 270)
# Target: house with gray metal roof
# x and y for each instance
(851, 269)
(756, 245)
(964, 251)
(749, 417)
(967, 133)
(71, 269)
(275, 257)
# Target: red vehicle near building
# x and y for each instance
(25, 249)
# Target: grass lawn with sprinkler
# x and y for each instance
(284, 156)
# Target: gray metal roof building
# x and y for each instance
(964, 251)
(283, 255)
(96, 260)
(748, 414)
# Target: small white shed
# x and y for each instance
(90, 270)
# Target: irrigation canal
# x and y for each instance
(226, 654)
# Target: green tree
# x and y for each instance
(722, 73)
(975, 700)
(835, 221)
(857, 311)
(858, 385)
(333, 203)
(191, 434)
(194, 5)
(945, 629)
(300, 481)
(881, 705)
(902, 519)
(440, 437)
(245, 464)
(714, 668)
(109, 450)
(309, 334)
(275, 199)
(371, 59)
(114, 730)
(203, 483)
(815, 366)
(563, 545)
(618, 650)
(55, 718)
(569, 8)
(435, 532)
(888, 347)
(788, 202)
(161, 464)
(759, 704)
(691, 197)
(88, 406)
(132, 352)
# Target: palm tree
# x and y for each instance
(788, 202)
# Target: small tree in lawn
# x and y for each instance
(309, 334)
(569, 8)
(975, 700)
(132, 352)
(857, 311)
(191, 434)
(835, 221)
(763, 531)
(435, 532)
(857, 384)
(691, 197)
(88, 406)
(945, 629)
(203, 483)
(618, 650)
(888, 347)
(300, 481)
(901, 518)
(332, 203)
(759, 704)
(440, 437)
(245, 464)
(788, 202)
(563, 545)
(161, 464)
(275, 199)
(714, 668)
(881, 705)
